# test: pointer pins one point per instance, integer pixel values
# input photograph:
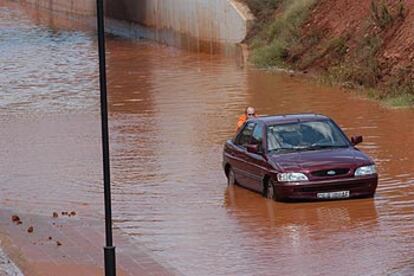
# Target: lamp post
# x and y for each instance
(109, 249)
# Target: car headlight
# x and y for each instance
(291, 177)
(366, 170)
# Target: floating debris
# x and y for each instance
(15, 219)
(30, 229)
(69, 214)
(55, 214)
(58, 243)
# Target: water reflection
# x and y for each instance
(44, 68)
(297, 238)
(316, 217)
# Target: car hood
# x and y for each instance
(321, 159)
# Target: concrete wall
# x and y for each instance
(190, 24)
(73, 7)
(218, 21)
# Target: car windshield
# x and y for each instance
(304, 136)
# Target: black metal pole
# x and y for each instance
(109, 249)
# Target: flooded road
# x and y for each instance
(170, 113)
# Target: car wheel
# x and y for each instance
(270, 191)
(231, 179)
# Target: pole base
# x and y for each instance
(109, 255)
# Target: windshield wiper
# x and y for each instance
(316, 147)
(291, 149)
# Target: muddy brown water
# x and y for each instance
(170, 113)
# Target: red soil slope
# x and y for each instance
(353, 21)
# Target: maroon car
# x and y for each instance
(298, 157)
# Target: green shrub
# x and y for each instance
(354, 73)
(338, 46)
(334, 50)
(281, 34)
(401, 9)
(401, 85)
(295, 12)
(368, 48)
(400, 101)
(270, 55)
(363, 69)
(263, 8)
(381, 14)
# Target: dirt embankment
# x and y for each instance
(367, 43)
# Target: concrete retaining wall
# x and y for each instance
(190, 24)
(73, 7)
(218, 21)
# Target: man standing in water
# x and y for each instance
(249, 113)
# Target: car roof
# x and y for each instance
(290, 118)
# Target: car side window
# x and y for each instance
(257, 136)
(245, 135)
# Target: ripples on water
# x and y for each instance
(43, 68)
(170, 113)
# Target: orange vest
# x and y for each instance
(241, 121)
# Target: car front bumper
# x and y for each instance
(357, 187)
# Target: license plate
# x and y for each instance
(333, 195)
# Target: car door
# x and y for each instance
(255, 162)
(240, 166)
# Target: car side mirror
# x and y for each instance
(356, 140)
(253, 148)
